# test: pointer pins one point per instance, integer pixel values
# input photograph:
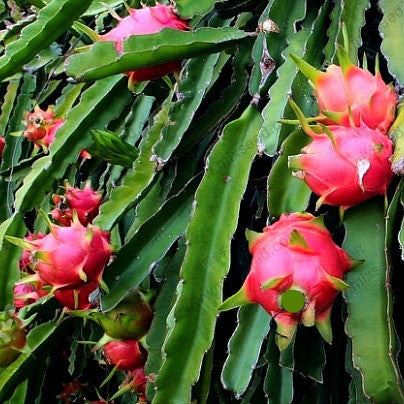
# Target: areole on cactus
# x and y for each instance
(350, 96)
(296, 273)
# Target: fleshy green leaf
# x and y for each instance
(369, 302)
(149, 50)
(208, 258)
(53, 20)
(190, 8)
(244, 348)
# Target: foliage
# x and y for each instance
(186, 163)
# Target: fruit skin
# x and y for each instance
(68, 256)
(85, 202)
(12, 338)
(42, 126)
(351, 96)
(147, 20)
(130, 319)
(137, 380)
(296, 253)
(345, 166)
(2, 144)
(76, 298)
(24, 295)
(125, 355)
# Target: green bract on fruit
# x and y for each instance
(12, 338)
(296, 273)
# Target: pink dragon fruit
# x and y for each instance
(85, 202)
(12, 338)
(68, 256)
(76, 298)
(125, 355)
(24, 295)
(2, 144)
(351, 96)
(42, 126)
(147, 20)
(345, 166)
(294, 256)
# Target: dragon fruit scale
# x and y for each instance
(351, 96)
(147, 20)
(69, 256)
(78, 297)
(85, 202)
(294, 258)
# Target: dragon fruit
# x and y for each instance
(147, 20)
(130, 319)
(345, 165)
(351, 96)
(77, 298)
(125, 355)
(12, 338)
(85, 202)
(24, 295)
(294, 256)
(42, 126)
(68, 256)
(2, 144)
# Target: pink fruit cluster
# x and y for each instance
(348, 159)
(41, 127)
(295, 256)
(70, 260)
(83, 202)
(147, 20)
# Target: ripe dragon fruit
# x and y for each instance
(24, 295)
(69, 256)
(85, 202)
(351, 96)
(12, 338)
(125, 355)
(295, 255)
(147, 20)
(42, 126)
(77, 298)
(345, 166)
(2, 144)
